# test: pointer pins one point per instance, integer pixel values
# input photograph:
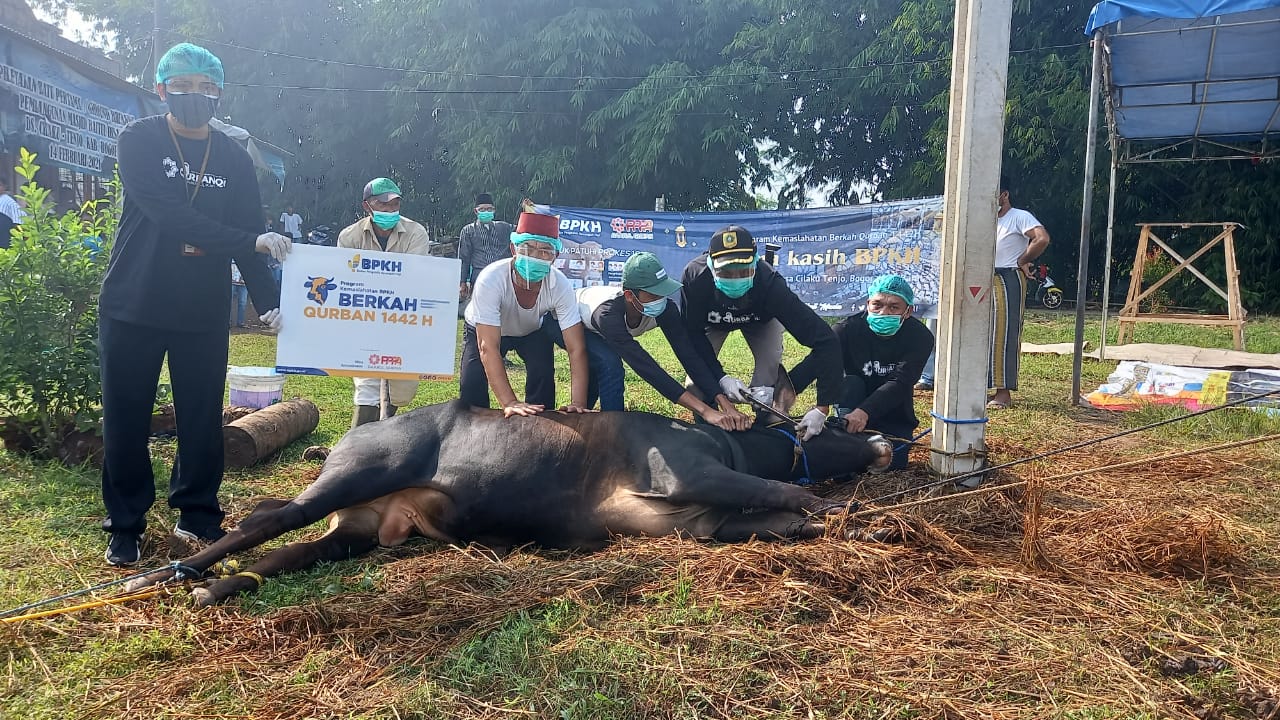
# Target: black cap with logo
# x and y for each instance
(732, 245)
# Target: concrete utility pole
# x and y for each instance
(980, 66)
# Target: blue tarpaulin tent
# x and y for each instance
(1182, 80)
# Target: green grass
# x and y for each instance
(553, 659)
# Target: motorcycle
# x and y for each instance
(322, 235)
(1047, 292)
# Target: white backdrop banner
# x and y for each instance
(368, 314)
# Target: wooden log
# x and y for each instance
(256, 437)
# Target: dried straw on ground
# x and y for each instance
(1031, 602)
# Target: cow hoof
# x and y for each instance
(316, 452)
(884, 454)
(148, 580)
(203, 597)
(879, 535)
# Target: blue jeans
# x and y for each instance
(926, 377)
(605, 373)
(239, 299)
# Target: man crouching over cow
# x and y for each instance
(510, 299)
(457, 473)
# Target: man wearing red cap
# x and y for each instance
(509, 300)
(385, 230)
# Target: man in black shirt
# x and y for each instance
(191, 206)
(884, 350)
(614, 317)
(730, 288)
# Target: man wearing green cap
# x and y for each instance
(191, 206)
(383, 230)
(614, 317)
(884, 350)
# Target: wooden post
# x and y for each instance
(1235, 308)
(1124, 330)
(255, 437)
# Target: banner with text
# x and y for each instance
(362, 313)
(828, 255)
(60, 114)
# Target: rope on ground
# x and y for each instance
(163, 590)
(1062, 476)
(100, 586)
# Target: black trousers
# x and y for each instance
(539, 365)
(130, 357)
(898, 425)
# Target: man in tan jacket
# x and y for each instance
(383, 229)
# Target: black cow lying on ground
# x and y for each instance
(456, 473)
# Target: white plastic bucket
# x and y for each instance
(255, 387)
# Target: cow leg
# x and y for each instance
(777, 525)
(721, 487)
(352, 532)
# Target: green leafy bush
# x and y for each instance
(49, 282)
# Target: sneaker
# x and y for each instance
(924, 386)
(198, 534)
(123, 549)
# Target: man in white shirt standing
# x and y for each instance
(386, 230)
(291, 223)
(10, 214)
(1020, 239)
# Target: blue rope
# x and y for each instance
(913, 440)
(956, 421)
(806, 480)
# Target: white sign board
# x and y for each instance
(363, 313)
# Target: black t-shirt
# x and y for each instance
(889, 365)
(171, 262)
(610, 321)
(706, 308)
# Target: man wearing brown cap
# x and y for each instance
(731, 288)
(384, 230)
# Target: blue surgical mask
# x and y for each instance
(531, 268)
(655, 308)
(485, 215)
(386, 220)
(885, 325)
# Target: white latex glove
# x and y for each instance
(811, 425)
(274, 244)
(762, 394)
(272, 320)
(733, 388)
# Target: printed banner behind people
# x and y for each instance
(828, 255)
(368, 314)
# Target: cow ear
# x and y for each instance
(784, 393)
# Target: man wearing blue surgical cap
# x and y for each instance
(884, 350)
(191, 206)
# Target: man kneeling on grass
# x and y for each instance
(884, 351)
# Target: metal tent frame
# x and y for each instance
(1206, 87)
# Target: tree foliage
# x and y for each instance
(616, 102)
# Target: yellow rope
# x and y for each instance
(245, 573)
(86, 606)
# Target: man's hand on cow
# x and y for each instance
(522, 409)
(856, 421)
(811, 425)
(733, 388)
(738, 419)
(273, 244)
(272, 320)
(731, 421)
(576, 408)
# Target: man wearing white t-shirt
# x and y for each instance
(1020, 239)
(291, 223)
(509, 299)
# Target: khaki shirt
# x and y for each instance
(406, 237)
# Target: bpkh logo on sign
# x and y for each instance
(384, 267)
(580, 227)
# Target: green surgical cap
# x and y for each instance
(894, 285)
(188, 59)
